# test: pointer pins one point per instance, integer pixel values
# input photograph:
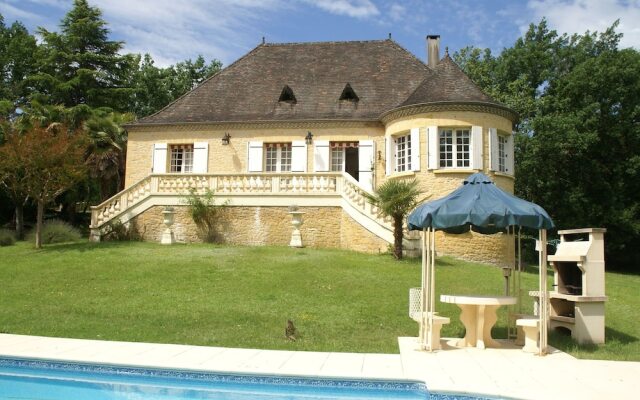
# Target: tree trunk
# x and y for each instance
(39, 218)
(20, 221)
(397, 237)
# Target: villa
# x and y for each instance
(317, 125)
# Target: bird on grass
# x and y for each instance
(290, 331)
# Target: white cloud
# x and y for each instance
(397, 12)
(172, 30)
(352, 8)
(12, 13)
(578, 16)
(169, 30)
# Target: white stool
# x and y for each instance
(531, 330)
(438, 321)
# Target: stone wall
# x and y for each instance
(495, 249)
(324, 227)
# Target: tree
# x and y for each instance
(578, 138)
(396, 198)
(80, 65)
(46, 174)
(105, 154)
(156, 87)
(13, 178)
(17, 62)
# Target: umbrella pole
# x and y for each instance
(543, 307)
(432, 293)
(423, 292)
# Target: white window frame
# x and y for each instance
(502, 153)
(337, 162)
(402, 152)
(181, 158)
(455, 148)
(281, 154)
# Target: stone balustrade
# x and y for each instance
(302, 184)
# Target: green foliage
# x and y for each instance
(116, 231)
(206, 214)
(80, 65)
(395, 198)
(56, 231)
(578, 138)
(155, 87)
(17, 62)
(7, 238)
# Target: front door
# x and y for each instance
(351, 162)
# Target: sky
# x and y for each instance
(176, 30)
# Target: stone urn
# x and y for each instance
(296, 221)
(168, 215)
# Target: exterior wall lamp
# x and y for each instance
(309, 138)
(226, 139)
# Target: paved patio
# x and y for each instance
(505, 372)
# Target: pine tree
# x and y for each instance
(80, 65)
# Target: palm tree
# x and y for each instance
(106, 151)
(396, 198)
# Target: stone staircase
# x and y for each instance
(308, 189)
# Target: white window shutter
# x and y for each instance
(298, 156)
(254, 157)
(389, 147)
(432, 147)
(493, 149)
(510, 155)
(200, 157)
(415, 149)
(321, 156)
(476, 147)
(159, 158)
(366, 152)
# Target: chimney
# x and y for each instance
(433, 50)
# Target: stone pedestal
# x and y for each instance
(167, 236)
(296, 221)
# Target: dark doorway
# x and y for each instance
(351, 165)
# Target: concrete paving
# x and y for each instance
(506, 372)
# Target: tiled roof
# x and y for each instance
(447, 83)
(381, 73)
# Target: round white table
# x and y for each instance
(478, 314)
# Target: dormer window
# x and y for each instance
(287, 95)
(348, 94)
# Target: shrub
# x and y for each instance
(7, 238)
(205, 213)
(116, 231)
(57, 231)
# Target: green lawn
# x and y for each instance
(243, 296)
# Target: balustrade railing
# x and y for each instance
(223, 184)
(231, 184)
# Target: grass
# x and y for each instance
(243, 296)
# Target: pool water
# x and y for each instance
(47, 380)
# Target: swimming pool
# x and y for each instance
(54, 380)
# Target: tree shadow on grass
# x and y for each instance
(562, 340)
(83, 246)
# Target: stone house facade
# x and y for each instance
(317, 125)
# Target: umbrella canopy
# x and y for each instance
(481, 206)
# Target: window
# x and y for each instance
(337, 159)
(454, 148)
(181, 158)
(403, 153)
(502, 153)
(348, 94)
(287, 95)
(278, 157)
